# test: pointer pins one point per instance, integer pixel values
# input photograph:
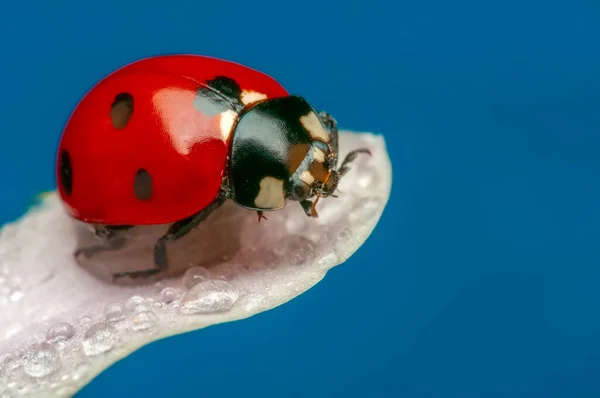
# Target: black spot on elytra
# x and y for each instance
(219, 95)
(66, 172)
(121, 110)
(142, 185)
(226, 86)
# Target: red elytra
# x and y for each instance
(184, 150)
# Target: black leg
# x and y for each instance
(261, 215)
(176, 231)
(112, 240)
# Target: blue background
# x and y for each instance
(482, 279)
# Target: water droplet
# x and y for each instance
(114, 312)
(253, 302)
(195, 275)
(294, 249)
(134, 302)
(209, 297)
(81, 371)
(144, 320)
(142, 308)
(365, 180)
(225, 274)
(296, 224)
(24, 389)
(99, 338)
(328, 260)
(12, 330)
(41, 359)
(65, 391)
(16, 294)
(168, 295)
(344, 234)
(60, 333)
(257, 258)
(365, 210)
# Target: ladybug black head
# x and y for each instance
(281, 150)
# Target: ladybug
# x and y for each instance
(168, 139)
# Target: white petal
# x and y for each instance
(61, 326)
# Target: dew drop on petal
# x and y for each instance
(114, 312)
(294, 249)
(41, 359)
(168, 295)
(366, 179)
(12, 330)
(209, 297)
(195, 275)
(16, 294)
(365, 209)
(224, 273)
(60, 333)
(344, 234)
(99, 338)
(133, 302)
(4, 281)
(296, 224)
(81, 371)
(65, 391)
(257, 258)
(144, 320)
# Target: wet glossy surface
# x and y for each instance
(181, 148)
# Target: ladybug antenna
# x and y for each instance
(345, 167)
(320, 193)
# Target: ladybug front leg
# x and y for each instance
(178, 230)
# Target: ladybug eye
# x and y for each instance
(300, 191)
(121, 110)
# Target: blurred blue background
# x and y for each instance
(482, 279)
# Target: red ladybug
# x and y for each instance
(168, 139)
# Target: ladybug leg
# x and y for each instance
(261, 216)
(112, 240)
(178, 230)
(308, 207)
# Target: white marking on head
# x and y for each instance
(248, 97)
(226, 123)
(270, 195)
(307, 177)
(318, 155)
(315, 128)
